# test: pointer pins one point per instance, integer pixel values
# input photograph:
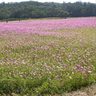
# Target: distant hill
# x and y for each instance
(33, 9)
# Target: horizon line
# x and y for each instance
(45, 1)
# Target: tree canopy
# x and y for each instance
(33, 9)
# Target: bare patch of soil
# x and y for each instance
(89, 91)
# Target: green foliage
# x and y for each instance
(32, 70)
(33, 9)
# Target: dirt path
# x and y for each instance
(89, 91)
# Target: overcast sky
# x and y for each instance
(93, 1)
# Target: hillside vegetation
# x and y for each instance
(33, 9)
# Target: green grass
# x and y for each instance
(47, 64)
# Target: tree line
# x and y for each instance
(34, 9)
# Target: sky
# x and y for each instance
(60, 1)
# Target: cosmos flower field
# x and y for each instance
(48, 56)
